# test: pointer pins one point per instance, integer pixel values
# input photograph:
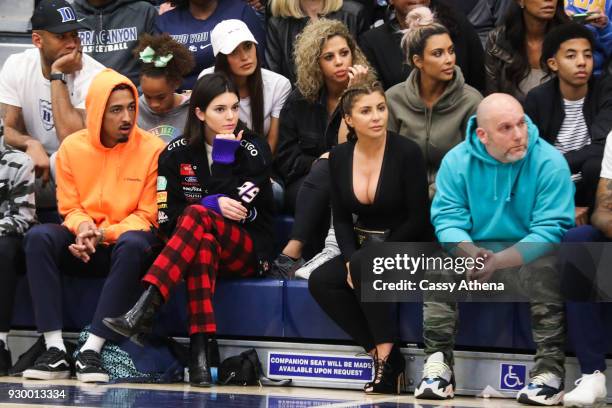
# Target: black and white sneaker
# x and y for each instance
(51, 365)
(89, 368)
(284, 267)
(542, 389)
(438, 380)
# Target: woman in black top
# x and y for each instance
(382, 47)
(380, 177)
(215, 204)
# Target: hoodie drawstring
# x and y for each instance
(495, 185)
(509, 198)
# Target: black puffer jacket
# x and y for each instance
(282, 32)
(305, 133)
(184, 179)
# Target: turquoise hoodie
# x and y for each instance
(481, 199)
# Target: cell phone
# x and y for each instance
(581, 17)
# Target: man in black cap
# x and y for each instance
(42, 90)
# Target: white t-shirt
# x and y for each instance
(22, 84)
(606, 164)
(276, 89)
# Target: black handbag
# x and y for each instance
(245, 369)
(368, 236)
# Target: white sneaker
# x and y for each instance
(328, 253)
(542, 389)
(591, 391)
(438, 380)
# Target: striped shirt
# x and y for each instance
(574, 134)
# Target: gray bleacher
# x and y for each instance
(14, 25)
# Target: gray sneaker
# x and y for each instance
(284, 267)
(327, 254)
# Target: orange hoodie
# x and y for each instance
(113, 187)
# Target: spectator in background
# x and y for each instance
(513, 50)
(598, 21)
(43, 91)
(573, 111)
(17, 215)
(327, 60)
(215, 205)
(192, 21)
(106, 177)
(262, 92)
(390, 206)
(165, 62)
(484, 15)
(112, 29)
(289, 17)
(433, 106)
(390, 61)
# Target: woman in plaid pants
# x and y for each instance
(215, 205)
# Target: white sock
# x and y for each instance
(4, 338)
(94, 343)
(54, 339)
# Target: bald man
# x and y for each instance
(503, 184)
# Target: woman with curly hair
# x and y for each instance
(192, 21)
(163, 112)
(327, 60)
(289, 17)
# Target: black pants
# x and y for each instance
(587, 187)
(11, 256)
(311, 201)
(368, 323)
(124, 263)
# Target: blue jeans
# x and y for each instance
(124, 263)
(585, 323)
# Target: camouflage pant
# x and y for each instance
(537, 280)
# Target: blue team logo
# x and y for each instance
(67, 14)
(46, 114)
(512, 376)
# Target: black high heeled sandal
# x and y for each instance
(389, 374)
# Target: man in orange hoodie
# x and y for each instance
(106, 193)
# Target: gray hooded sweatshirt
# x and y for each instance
(112, 32)
(435, 130)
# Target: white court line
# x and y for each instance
(371, 400)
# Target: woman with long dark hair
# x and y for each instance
(514, 48)
(379, 177)
(433, 105)
(262, 92)
(215, 205)
(390, 61)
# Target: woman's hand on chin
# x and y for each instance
(230, 136)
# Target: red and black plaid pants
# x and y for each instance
(204, 245)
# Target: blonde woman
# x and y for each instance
(289, 17)
(327, 60)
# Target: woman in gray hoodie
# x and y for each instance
(433, 105)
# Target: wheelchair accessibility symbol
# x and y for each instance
(512, 376)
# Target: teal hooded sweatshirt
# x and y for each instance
(479, 198)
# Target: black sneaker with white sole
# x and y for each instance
(89, 368)
(51, 365)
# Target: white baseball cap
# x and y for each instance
(228, 34)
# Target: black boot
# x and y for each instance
(389, 377)
(139, 319)
(5, 359)
(199, 374)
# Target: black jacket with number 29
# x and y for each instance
(184, 179)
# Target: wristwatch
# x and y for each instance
(57, 76)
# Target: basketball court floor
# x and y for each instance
(28, 393)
